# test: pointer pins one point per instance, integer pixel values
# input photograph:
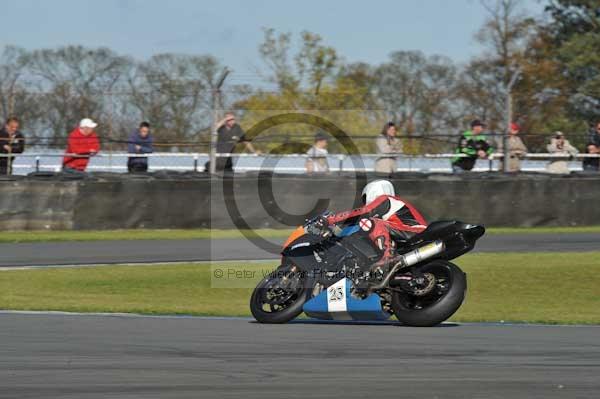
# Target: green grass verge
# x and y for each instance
(140, 234)
(181, 234)
(543, 230)
(540, 288)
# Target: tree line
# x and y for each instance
(431, 97)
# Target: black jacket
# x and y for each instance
(594, 139)
(228, 138)
(17, 145)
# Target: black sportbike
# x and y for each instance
(330, 276)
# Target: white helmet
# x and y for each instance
(375, 189)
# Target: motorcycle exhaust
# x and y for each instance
(412, 258)
(423, 253)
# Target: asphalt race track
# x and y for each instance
(73, 356)
(100, 252)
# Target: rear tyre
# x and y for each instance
(279, 297)
(437, 305)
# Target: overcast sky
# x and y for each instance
(231, 29)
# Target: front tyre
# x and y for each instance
(279, 297)
(439, 297)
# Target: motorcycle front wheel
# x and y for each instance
(279, 297)
(441, 293)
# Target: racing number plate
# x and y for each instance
(336, 297)
(336, 294)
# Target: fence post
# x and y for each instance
(195, 162)
(37, 164)
(341, 163)
(509, 117)
(216, 102)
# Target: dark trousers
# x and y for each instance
(133, 166)
(223, 165)
(6, 166)
(590, 167)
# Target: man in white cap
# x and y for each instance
(81, 145)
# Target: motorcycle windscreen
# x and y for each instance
(337, 303)
(302, 253)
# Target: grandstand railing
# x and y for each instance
(117, 161)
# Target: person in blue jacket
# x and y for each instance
(140, 142)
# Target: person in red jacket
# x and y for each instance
(83, 142)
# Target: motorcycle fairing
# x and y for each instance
(337, 303)
(349, 230)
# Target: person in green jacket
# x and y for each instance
(474, 145)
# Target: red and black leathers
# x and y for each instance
(384, 213)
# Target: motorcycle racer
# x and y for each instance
(382, 214)
(331, 270)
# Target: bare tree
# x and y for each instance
(174, 92)
(12, 62)
(480, 93)
(483, 83)
(76, 82)
(504, 33)
(417, 91)
(15, 99)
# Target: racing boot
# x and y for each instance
(384, 264)
(376, 273)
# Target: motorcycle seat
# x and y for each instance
(434, 231)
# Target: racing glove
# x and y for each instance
(319, 226)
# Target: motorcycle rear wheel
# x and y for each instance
(438, 305)
(263, 297)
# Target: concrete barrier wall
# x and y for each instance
(284, 201)
(27, 205)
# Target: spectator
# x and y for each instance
(11, 142)
(516, 149)
(593, 147)
(559, 145)
(474, 145)
(82, 143)
(387, 143)
(229, 134)
(317, 161)
(140, 142)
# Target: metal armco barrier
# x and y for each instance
(183, 161)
